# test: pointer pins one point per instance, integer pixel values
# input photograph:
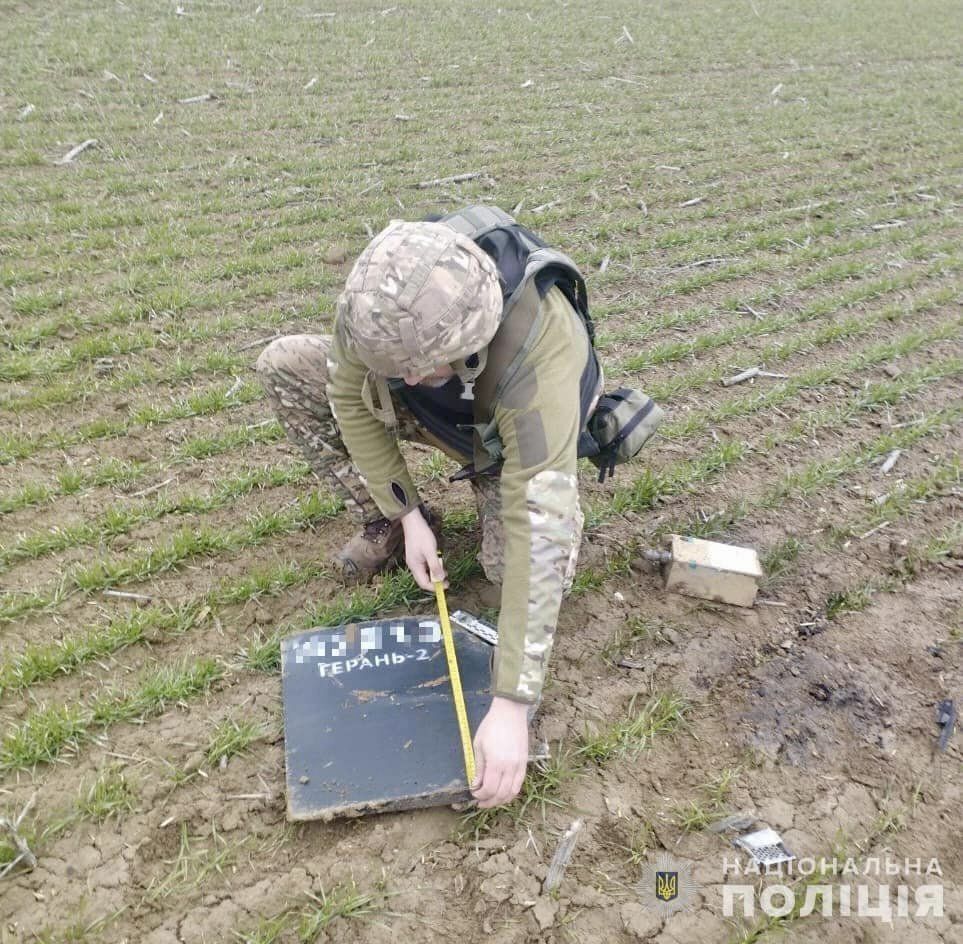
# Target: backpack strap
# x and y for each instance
(506, 351)
(499, 235)
(477, 220)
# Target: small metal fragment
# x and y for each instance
(477, 627)
(765, 846)
(563, 853)
(946, 719)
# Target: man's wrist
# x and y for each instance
(416, 516)
(509, 706)
(412, 517)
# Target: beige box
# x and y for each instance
(713, 571)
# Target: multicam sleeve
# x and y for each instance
(538, 421)
(373, 450)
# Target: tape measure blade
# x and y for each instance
(457, 693)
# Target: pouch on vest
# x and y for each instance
(623, 422)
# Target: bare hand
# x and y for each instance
(501, 753)
(421, 551)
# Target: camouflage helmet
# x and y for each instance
(419, 297)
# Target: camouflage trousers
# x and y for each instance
(488, 500)
(294, 373)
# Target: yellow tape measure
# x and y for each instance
(456, 689)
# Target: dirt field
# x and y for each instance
(746, 183)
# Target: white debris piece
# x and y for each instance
(890, 461)
(194, 99)
(765, 846)
(74, 151)
(563, 853)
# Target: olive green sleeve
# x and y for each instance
(538, 420)
(373, 449)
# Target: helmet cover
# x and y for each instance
(419, 297)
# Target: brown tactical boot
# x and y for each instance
(369, 552)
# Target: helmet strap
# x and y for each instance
(385, 411)
(467, 374)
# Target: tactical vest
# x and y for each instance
(527, 269)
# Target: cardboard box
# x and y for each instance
(713, 571)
